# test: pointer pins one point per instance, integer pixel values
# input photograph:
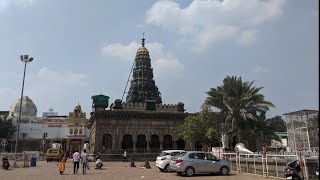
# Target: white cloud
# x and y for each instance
(167, 66)
(163, 62)
(206, 22)
(4, 4)
(127, 52)
(248, 37)
(62, 78)
(260, 69)
(124, 52)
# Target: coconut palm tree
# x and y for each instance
(239, 103)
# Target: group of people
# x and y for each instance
(76, 158)
(132, 164)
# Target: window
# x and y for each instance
(75, 131)
(71, 131)
(80, 131)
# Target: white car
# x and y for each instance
(164, 158)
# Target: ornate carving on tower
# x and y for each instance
(142, 87)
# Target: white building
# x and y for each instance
(33, 130)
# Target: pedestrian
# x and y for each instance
(84, 161)
(132, 163)
(125, 157)
(76, 159)
(62, 163)
(147, 164)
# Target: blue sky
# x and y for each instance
(83, 48)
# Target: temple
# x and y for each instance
(141, 124)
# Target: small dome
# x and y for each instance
(142, 50)
(78, 107)
(28, 108)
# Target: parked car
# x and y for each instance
(163, 159)
(196, 162)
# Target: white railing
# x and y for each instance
(272, 165)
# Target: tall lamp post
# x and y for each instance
(26, 59)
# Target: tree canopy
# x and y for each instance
(201, 127)
(241, 106)
(6, 127)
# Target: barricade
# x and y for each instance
(272, 165)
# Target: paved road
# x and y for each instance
(111, 170)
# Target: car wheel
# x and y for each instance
(161, 169)
(167, 168)
(295, 178)
(224, 170)
(189, 171)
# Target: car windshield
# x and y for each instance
(163, 154)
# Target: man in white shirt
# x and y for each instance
(125, 156)
(76, 159)
(84, 160)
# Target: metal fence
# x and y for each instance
(271, 165)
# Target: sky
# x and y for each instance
(83, 48)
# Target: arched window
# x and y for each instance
(75, 131)
(80, 131)
(71, 131)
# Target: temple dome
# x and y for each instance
(78, 107)
(28, 107)
(142, 50)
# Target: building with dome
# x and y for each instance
(51, 127)
(141, 123)
(28, 111)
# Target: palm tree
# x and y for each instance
(239, 103)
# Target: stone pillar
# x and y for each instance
(188, 145)
(114, 139)
(120, 139)
(174, 143)
(161, 142)
(148, 141)
(68, 144)
(134, 138)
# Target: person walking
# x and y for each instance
(76, 159)
(62, 163)
(84, 161)
(125, 157)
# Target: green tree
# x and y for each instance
(6, 127)
(277, 124)
(239, 104)
(200, 127)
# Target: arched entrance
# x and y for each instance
(141, 143)
(167, 142)
(107, 142)
(180, 144)
(154, 143)
(127, 142)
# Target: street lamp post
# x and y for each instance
(26, 59)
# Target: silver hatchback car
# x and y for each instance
(163, 159)
(196, 162)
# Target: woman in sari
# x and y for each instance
(62, 163)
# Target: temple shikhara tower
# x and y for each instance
(143, 87)
(141, 124)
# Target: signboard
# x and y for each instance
(55, 121)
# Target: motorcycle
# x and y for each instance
(99, 163)
(293, 171)
(5, 163)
